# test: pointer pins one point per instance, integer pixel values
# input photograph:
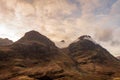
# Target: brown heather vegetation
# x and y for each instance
(35, 57)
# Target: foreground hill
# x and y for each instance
(35, 57)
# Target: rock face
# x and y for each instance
(6, 41)
(35, 57)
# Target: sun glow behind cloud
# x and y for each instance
(63, 20)
(7, 33)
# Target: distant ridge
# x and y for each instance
(6, 41)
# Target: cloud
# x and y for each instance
(105, 34)
(115, 8)
(88, 6)
(63, 20)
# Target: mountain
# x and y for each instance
(89, 50)
(91, 57)
(34, 42)
(36, 57)
(6, 41)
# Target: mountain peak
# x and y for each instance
(34, 36)
(87, 37)
(86, 47)
(33, 41)
(32, 32)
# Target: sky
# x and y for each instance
(63, 20)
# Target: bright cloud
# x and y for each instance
(63, 20)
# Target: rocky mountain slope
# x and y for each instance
(118, 57)
(92, 58)
(35, 57)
